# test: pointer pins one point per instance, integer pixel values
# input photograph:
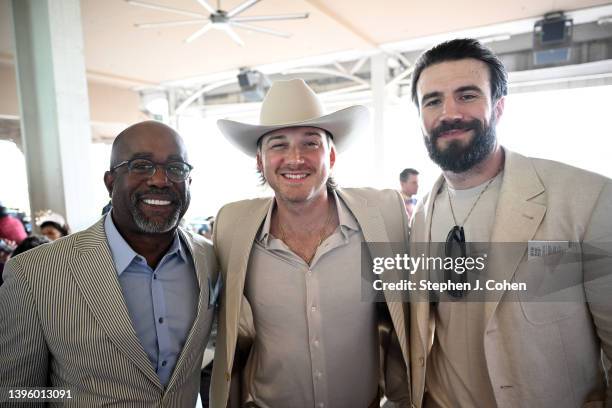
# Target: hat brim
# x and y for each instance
(344, 125)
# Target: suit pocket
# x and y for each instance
(555, 289)
(539, 313)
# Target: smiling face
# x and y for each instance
(142, 204)
(296, 162)
(457, 114)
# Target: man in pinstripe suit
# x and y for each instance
(119, 314)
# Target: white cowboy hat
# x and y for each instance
(292, 103)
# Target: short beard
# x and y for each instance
(457, 157)
(149, 226)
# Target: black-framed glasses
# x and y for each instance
(455, 247)
(176, 171)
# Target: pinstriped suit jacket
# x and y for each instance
(382, 218)
(64, 323)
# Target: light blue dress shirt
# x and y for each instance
(162, 303)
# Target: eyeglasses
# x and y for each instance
(455, 248)
(176, 171)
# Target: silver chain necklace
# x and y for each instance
(450, 203)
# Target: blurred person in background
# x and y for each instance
(409, 187)
(52, 225)
(12, 233)
(207, 228)
(30, 242)
(11, 228)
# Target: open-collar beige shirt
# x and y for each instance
(316, 342)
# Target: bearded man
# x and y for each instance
(521, 346)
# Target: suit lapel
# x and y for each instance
(238, 261)
(516, 221)
(429, 209)
(195, 334)
(94, 272)
(373, 228)
(422, 308)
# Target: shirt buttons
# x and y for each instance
(316, 342)
(320, 405)
(164, 363)
(313, 309)
(161, 320)
(154, 276)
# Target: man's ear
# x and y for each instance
(332, 156)
(259, 162)
(499, 108)
(109, 180)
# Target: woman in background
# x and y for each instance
(52, 225)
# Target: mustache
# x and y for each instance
(296, 167)
(165, 192)
(445, 126)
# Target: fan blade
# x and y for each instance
(229, 31)
(295, 16)
(207, 6)
(171, 23)
(240, 8)
(164, 8)
(198, 33)
(260, 29)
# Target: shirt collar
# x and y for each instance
(264, 234)
(122, 252)
(346, 220)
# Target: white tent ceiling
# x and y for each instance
(119, 53)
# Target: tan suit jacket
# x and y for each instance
(64, 323)
(538, 354)
(382, 218)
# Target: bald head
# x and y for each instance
(148, 180)
(145, 135)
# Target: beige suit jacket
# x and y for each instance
(382, 218)
(64, 323)
(538, 354)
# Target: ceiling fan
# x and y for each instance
(218, 19)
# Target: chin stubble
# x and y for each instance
(147, 225)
